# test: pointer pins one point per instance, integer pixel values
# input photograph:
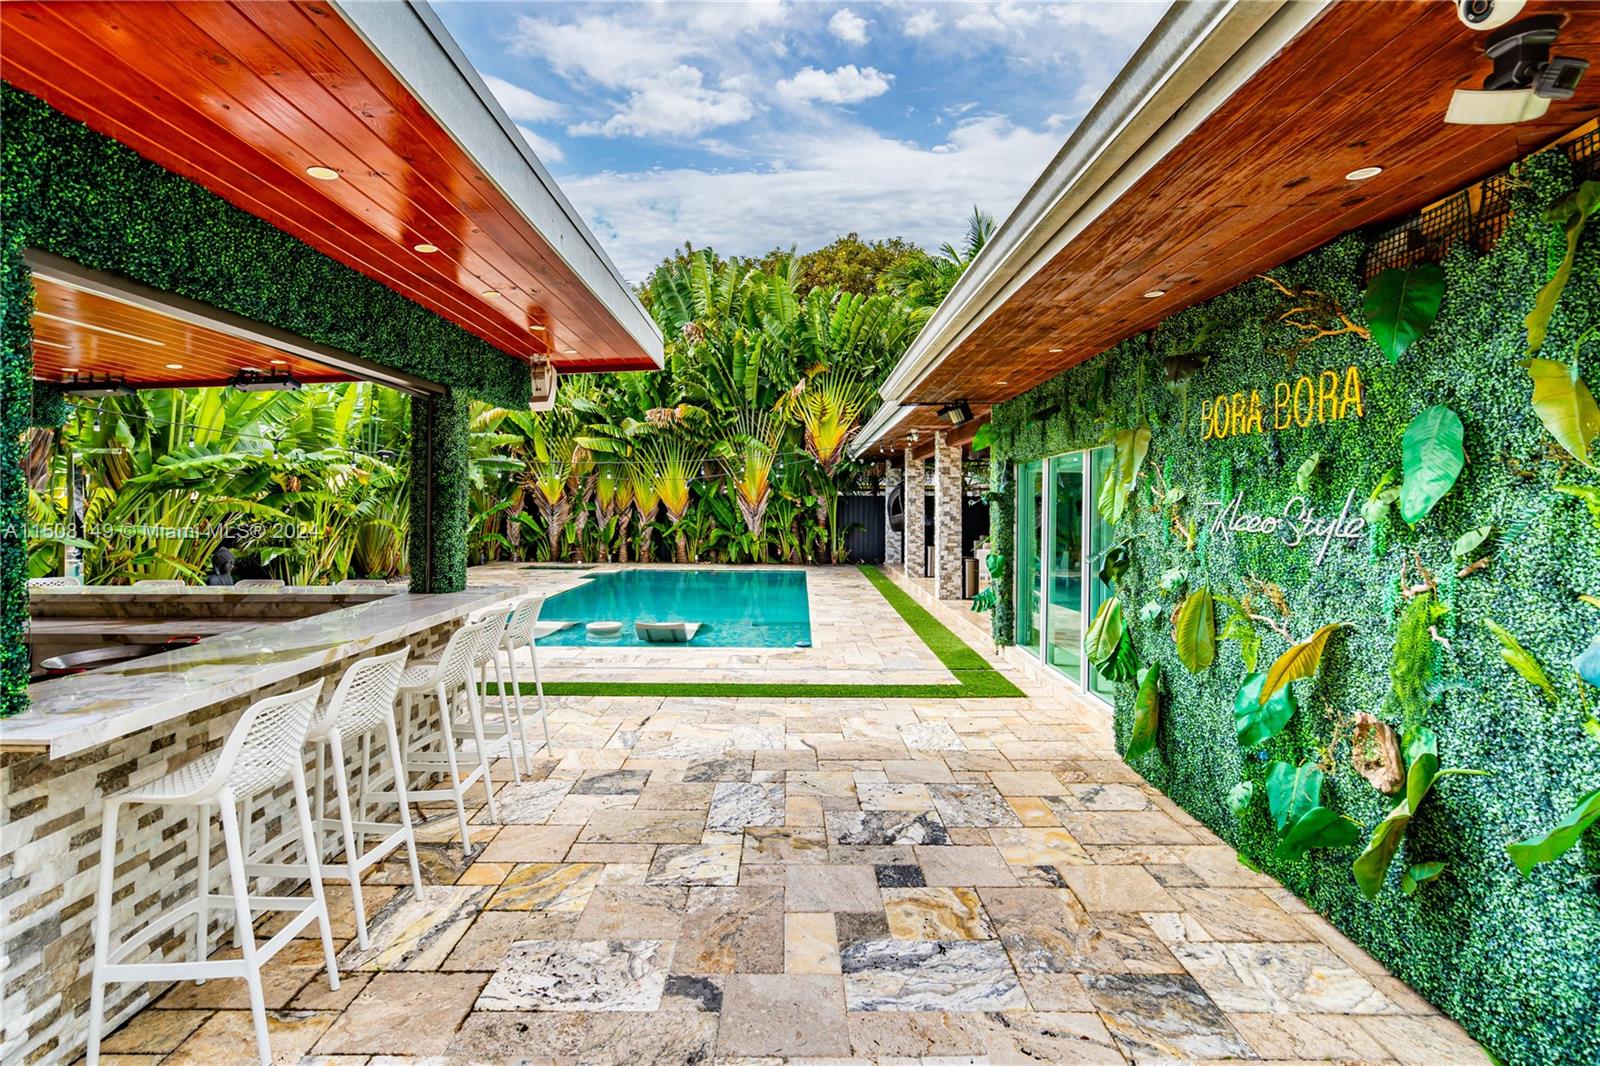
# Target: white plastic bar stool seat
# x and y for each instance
(262, 751)
(450, 682)
(362, 707)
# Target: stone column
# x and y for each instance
(946, 518)
(893, 543)
(916, 481)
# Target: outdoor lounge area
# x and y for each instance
(1156, 625)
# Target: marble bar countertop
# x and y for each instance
(69, 715)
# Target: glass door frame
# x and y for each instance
(1044, 569)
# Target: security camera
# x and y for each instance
(1485, 15)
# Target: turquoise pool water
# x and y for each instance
(735, 608)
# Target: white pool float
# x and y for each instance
(603, 630)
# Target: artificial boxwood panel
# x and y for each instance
(439, 488)
(16, 415)
(1516, 959)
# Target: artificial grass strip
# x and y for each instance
(975, 678)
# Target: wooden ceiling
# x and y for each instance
(1261, 181)
(87, 335)
(242, 97)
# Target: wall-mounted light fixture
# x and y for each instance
(96, 385)
(252, 381)
(1525, 77)
(957, 414)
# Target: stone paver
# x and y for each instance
(729, 879)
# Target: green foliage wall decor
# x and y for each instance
(439, 493)
(70, 191)
(16, 416)
(1512, 957)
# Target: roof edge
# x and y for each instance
(1197, 56)
(422, 54)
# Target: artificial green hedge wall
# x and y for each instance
(442, 424)
(68, 190)
(16, 416)
(1516, 959)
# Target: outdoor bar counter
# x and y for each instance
(92, 733)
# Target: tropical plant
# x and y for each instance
(1401, 305)
(1431, 457)
(1294, 797)
(1422, 771)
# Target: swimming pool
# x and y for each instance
(735, 608)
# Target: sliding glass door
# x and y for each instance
(1030, 512)
(1060, 544)
(1063, 637)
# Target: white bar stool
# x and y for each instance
(362, 706)
(263, 750)
(451, 682)
(509, 725)
(520, 628)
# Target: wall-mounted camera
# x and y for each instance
(1525, 77)
(1486, 15)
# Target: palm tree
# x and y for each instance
(646, 501)
(748, 452)
(671, 472)
(553, 474)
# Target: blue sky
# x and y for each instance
(748, 126)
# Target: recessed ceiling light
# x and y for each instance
(322, 173)
(572, 351)
(425, 249)
(1002, 383)
(537, 328)
(174, 366)
(1363, 173)
(278, 362)
(1154, 293)
(1053, 351)
(491, 292)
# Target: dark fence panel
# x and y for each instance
(863, 517)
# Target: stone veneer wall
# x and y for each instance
(916, 491)
(946, 518)
(49, 864)
(893, 543)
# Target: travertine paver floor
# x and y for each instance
(698, 881)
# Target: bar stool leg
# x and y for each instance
(512, 711)
(397, 758)
(538, 687)
(241, 914)
(102, 930)
(244, 838)
(449, 737)
(202, 921)
(342, 797)
(308, 840)
(366, 787)
(475, 716)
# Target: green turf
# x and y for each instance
(975, 678)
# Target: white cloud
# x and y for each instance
(821, 183)
(848, 84)
(676, 103)
(547, 150)
(921, 24)
(848, 26)
(520, 104)
(612, 52)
